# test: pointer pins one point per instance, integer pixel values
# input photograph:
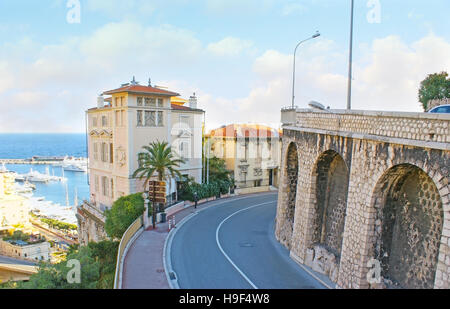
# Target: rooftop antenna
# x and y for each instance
(149, 82)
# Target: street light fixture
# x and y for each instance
(317, 34)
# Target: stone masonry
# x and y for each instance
(372, 190)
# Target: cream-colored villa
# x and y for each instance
(124, 120)
(252, 152)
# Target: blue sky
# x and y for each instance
(235, 54)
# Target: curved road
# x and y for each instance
(232, 246)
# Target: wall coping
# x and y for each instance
(374, 113)
(377, 138)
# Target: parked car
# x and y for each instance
(441, 109)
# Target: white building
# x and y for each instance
(124, 120)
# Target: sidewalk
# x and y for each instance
(143, 266)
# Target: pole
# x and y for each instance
(293, 74)
(207, 160)
(349, 90)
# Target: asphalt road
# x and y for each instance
(232, 246)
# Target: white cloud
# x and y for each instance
(50, 88)
(293, 8)
(231, 46)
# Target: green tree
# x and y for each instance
(435, 86)
(97, 261)
(158, 160)
(122, 214)
(218, 170)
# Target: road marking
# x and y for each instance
(167, 259)
(226, 255)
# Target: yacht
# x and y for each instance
(73, 164)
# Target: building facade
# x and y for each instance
(25, 251)
(125, 120)
(251, 152)
(14, 209)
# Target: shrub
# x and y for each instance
(122, 214)
(214, 188)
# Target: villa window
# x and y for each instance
(105, 186)
(104, 121)
(95, 151)
(94, 121)
(115, 101)
(105, 152)
(139, 101)
(111, 150)
(150, 102)
(139, 118)
(122, 99)
(97, 189)
(160, 119)
(150, 118)
(160, 102)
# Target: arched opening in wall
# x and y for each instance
(408, 227)
(292, 180)
(331, 190)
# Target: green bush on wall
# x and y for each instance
(123, 213)
(214, 188)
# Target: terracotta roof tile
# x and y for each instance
(244, 130)
(142, 89)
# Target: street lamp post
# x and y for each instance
(317, 34)
(349, 90)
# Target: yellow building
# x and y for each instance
(251, 151)
(14, 209)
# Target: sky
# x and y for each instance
(57, 56)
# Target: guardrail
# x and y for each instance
(127, 238)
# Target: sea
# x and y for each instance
(60, 194)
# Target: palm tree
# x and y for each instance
(158, 159)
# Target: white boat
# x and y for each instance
(76, 168)
(73, 164)
(35, 176)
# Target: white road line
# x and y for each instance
(226, 255)
(167, 259)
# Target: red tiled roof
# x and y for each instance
(237, 130)
(143, 90)
(183, 108)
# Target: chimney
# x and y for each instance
(193, 101)
(100, 101)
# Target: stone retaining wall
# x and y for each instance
(391, 187)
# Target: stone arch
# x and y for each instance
(289, 194)
(408, 222)
(330, 191)
(292, 178)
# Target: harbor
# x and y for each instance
(54, 189)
